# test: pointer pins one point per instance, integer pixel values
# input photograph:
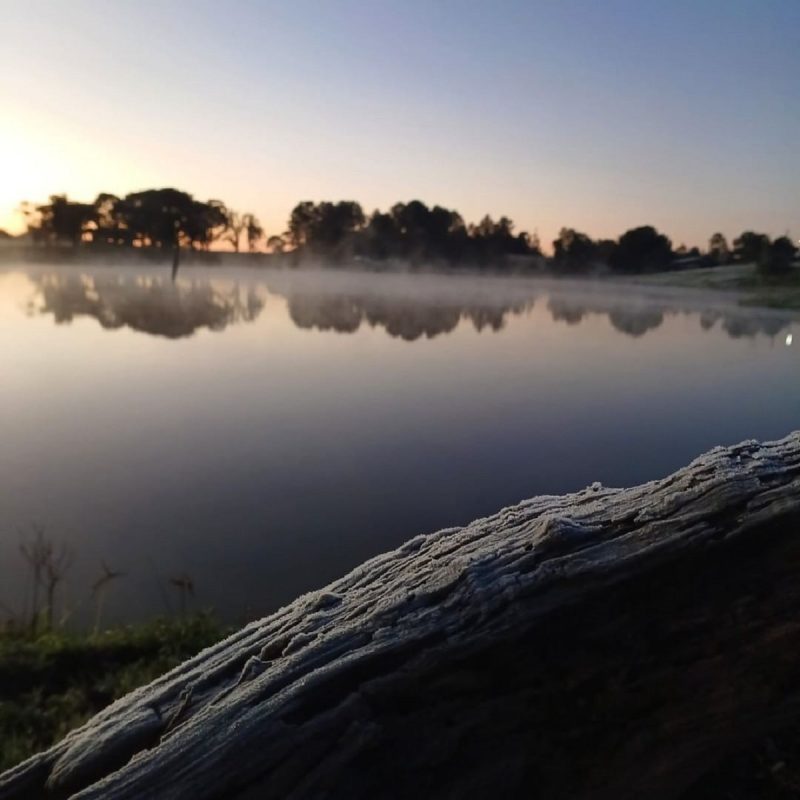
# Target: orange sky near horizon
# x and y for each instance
(41, 155)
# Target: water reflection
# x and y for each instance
(154, 305)
(632, 321)
(744, 325)
(562, 310)
(404, 318)
(635, 316)
(267, 461)
(412, 318)
(146, 304)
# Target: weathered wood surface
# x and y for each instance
(608, 643)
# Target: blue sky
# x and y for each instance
(596, 115)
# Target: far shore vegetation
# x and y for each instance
(409, 233)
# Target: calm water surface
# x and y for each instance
(261, 432)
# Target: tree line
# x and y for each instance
(339, 232)
(644, 249)
(157, 218)
(408, 231)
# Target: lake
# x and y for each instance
(258, 432)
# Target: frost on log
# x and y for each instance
(613, 643)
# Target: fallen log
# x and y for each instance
(613, 643)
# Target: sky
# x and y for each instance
(599, 115)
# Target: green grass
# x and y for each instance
(783, 292)
(53, 682)
(756, 289)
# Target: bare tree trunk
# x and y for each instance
(612, 643)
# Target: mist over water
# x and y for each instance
(265, 430)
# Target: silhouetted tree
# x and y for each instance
(445, 234)
(605, 250)
(107, 228)
(574, 251)
(642, 249)
(381, 238)
(422, 233)
(167, 218)
(301, 223)
(750, 246)
(718, 249)
(685, 252)
(276, 244)
(491, 241)
(155, 217)
(206, 223)
(253, 231)
(234, 228)
(62, 220)
(325, 228)
(412, 222)
(777, 257)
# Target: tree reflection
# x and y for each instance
(563, 311)
(325, 313)
(738, 326)
(637, 317)
(632, 318)
(154, 305)
(147, 304)
(636, 322)
(401, 317)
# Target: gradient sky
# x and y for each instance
(598, 115)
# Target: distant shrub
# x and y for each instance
(776, 258)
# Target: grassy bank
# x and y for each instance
(755, 289)
(52, 682)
